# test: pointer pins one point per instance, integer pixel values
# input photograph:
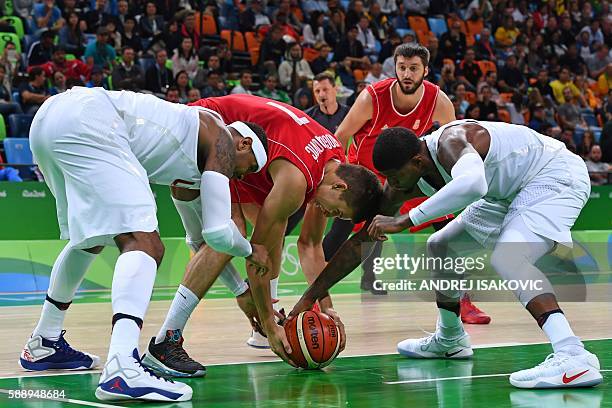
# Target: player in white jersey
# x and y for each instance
(98, 151)
(521, 191)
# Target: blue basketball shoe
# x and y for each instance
(125, 378)
(41, 354)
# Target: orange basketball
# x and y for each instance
(314, 339)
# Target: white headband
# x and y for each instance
(256, 145)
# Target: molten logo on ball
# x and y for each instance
(314, 333)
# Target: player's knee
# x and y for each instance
(147, 242)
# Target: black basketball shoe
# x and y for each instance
(170, 358)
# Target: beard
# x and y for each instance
(410, 90)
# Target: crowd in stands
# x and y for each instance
(544, 64)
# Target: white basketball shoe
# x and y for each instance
(560, 370)
(125, 378)
(435, 346)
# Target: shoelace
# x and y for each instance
(178, 352)
(553, 360)
(63, 345)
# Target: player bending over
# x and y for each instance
(98, 151)
(522, 192)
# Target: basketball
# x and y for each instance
(314, 339)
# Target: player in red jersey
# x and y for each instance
(305, 168)
(408, 101)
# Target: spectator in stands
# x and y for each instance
(460, 93)
(366, 37)
(151, 24)
(58, 83)
(34, 92)
(573, 60)
(595, 34)
(350, 48)
(604, 81)
(188, 30)
(172, 95)
(97, 79)
(565, 81)
(313, 31)
(7, 105)
(598, 62)
(568, 36)
(284, 9)
(585, 145)
(99, 53)
(253, 17)
(158, 77)
(215, 86)
(484, 45)
(123, 11)
(388, 7)
(327, 111)
(537, 120)
(591, 101)
(246, 80)
(97, 17)
(41, 51)
(507, 34)
(75, 69)
(23, 9)
(171, 37)
(11, 61)
(272, 51)
(453, 43)
(335, 28)
(379, 23)
(472, 112)
(359, 87)
(584, 45)
(479, 9)
(127, 74)
(543, 85)
(469, 71)
(448, 82)
(46, 16)
(294, 70)
(185, 59)
(8, 173)
(181, 82)
(510, 78)
(354, 13)
(225, 57)
(114, 37)
(314, 5)
(419, 7)
(271, 91)
(488, 108)
(570, 114)
(71, 37)
(303, 98)
(193, 95)
(129, 36)
(598, 170)
(375, 74)
(321, 63)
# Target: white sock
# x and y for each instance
(449, 324)
(185, 301)
(67, 274)
(274, 293)
(131, 292)
(122, 339)
(561, 335)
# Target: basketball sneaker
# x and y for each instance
(470, 314)
(434, 346)
(126, 378)
(170, 358)
(41, 354)
(560, 370)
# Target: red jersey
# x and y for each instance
(384, 115)
(292, 136)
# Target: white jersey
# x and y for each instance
(516, 155)
(162, 135)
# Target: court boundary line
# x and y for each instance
(459, 378)
(479, 346)
(64, 400)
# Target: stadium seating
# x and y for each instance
(19, 124)
(437, 26)
(17, 151)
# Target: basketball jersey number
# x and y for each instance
(300, 121)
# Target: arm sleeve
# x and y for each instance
(218, 229)
(468, 185)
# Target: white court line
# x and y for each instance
(479, 346)
(452, 378)
(67, 400)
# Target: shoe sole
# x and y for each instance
(464, 354)
(109, 396)
(156, 365)
(481, 321)
(590, 379)
(72, 366)
(258, 346)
